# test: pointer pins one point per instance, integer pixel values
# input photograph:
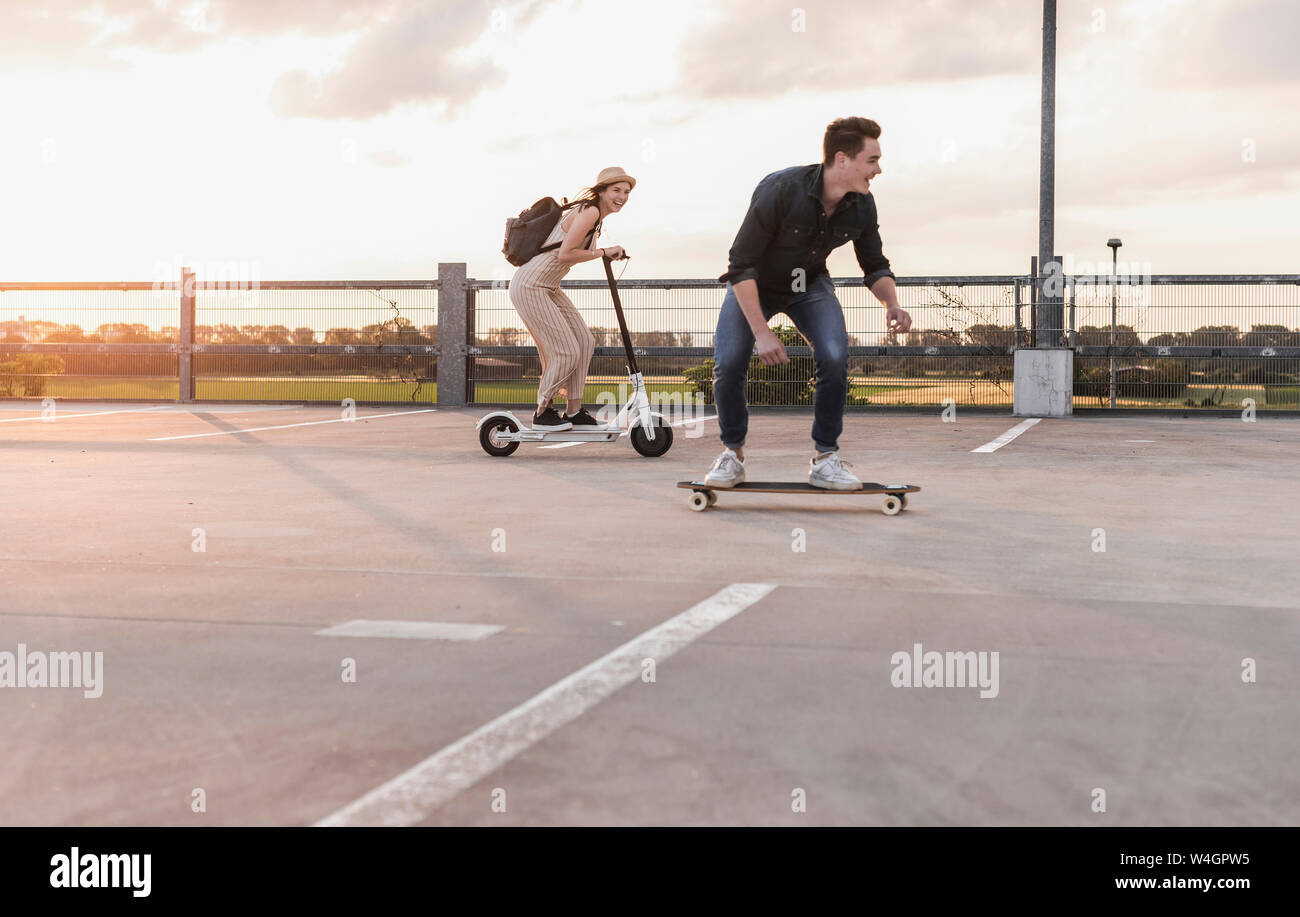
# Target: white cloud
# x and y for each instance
(765, 48)
(397, 159)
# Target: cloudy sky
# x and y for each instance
(371, 139)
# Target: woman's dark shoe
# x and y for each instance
(550, 421)
(582, 419)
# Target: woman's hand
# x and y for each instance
(614, 253)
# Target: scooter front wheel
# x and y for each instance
(662, 442)
(494, 436)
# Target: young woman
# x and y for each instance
(563, 340)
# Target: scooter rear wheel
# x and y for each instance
(663, 440)
(493, 436)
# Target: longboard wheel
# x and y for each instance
(903, 499)
(699, 501)
(892, 506)
(713, 497)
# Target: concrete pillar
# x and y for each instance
(453, 334)
(1044, 382)
(185, 368)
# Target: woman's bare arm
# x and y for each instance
(571, 250)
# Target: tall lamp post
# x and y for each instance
(1114, 291)
(1049, 314)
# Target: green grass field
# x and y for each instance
(75, 388)
(1278, 398)
(314, 390)
(929, 391)
(295, 389)
(524, 392)
(244, 389)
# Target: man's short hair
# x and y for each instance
(848, 135)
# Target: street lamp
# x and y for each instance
(1114, 290)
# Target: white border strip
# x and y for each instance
(1008, 436)
(410, 797)
(285, 426)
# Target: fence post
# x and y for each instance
(1057, 310)
(471, 315)
(185, 372)
(453, 334)
(1019, 326)
(1073, 338)
(1035, 318)
(1044, 372)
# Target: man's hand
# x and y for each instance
(770, 349)
(896, 320)
(769, 346)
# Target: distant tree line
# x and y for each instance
(26, 371)
(396, 331)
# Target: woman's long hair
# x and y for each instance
(590, 197)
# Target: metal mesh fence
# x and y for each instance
(316, 341)
(674, 322)
(1178, 342)
(1155, 321)
(88, 341)
(1197, 314)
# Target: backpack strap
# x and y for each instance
(591, 235)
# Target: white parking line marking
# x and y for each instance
(285, 426)
(205, 408)
(1008, 436)
(410, 797)
(678, 423)
(57, 416)
(411, 630)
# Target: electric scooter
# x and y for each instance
(500, 432)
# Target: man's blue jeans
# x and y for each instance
(818, 315)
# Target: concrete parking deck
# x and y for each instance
(1127, 570)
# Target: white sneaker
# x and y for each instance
(832, 473)
(727, 471)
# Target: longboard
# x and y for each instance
(704, 495)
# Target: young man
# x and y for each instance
(778, 264)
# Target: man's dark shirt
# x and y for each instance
(786, 228)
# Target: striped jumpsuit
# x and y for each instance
(563, 340)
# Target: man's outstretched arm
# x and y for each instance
(756, 232)
(885, 290)
(876, 273)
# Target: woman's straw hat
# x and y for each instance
(613, 174)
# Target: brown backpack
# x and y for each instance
(526, 233)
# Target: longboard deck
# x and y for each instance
(799, 487)
(704, 496)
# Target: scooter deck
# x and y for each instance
(576, 435)
(704, 495)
